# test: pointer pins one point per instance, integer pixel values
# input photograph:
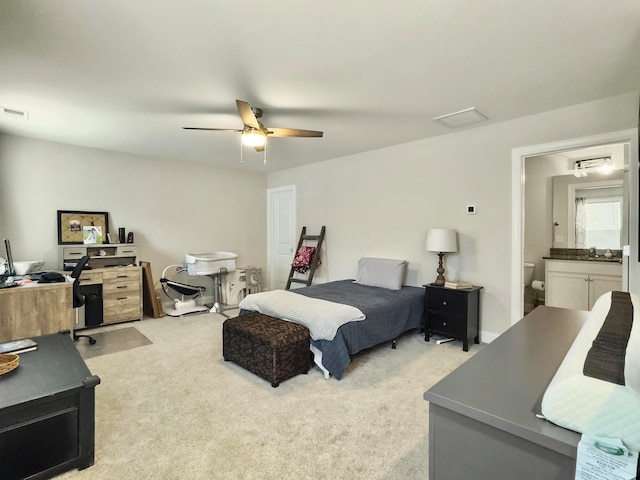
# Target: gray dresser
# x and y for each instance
(482, 416)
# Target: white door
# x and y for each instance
(281, 233)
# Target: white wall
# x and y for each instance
(173, 208)
(381, 203)
(538, 220)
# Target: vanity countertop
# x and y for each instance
(584, 258)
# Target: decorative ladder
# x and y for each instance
(314, 261)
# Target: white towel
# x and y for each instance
(321, 317)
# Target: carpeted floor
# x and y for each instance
(174, 409)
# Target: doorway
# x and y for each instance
(628, 143)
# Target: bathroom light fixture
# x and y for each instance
(441, 241)
(603, 164)
(253, 138)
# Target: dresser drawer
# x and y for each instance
(122, 286)
(118, 308)
(127, 251)
(121, 274)
(88, 277)
(73, 253)
(447, 301)
(449, 324)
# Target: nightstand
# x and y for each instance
(453, 313)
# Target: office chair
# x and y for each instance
(79, 298)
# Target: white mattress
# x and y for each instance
(592, 406)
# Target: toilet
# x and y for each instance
(528, 273)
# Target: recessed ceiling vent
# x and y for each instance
(463, 118)
(13, 113)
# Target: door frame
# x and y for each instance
(272, 265)
(518, 155)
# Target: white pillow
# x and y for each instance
(381, 272)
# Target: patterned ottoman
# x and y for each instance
(271, 348)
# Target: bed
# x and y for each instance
(379, 309)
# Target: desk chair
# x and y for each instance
(79, 298)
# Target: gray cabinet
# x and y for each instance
(482, 416)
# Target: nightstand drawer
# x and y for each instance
(441, 322)
(447, 301)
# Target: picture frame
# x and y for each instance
(72, 222)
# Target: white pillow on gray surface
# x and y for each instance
(381, 272)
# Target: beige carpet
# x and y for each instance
(174, 409)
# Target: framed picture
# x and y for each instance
(74, 227)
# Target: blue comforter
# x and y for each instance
(389, 314)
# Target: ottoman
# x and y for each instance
(271, 348)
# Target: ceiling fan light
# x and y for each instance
(253, 138)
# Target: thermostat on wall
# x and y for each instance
(471, 209)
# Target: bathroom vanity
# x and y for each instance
(577, 284)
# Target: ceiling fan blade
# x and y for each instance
(247, 115)
(214, 129)
(292, 132)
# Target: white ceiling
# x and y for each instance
(126, 75)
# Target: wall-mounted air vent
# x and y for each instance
(463, 118)
(13, 113)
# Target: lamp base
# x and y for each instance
(440, 278)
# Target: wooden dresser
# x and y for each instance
(121, 292)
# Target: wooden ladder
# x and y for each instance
(314, 261)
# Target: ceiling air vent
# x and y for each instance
(13, 113)
(460, 119)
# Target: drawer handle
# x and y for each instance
(122, 298)
(127, 251)
(444, 303)
(122, 286)
(122, 276)
(444, 324)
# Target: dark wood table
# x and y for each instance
(47, 412)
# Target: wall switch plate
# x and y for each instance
(472, 209)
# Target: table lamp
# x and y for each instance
(441, 241)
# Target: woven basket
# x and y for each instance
(8, 362)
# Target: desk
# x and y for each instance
(482, 416)
(35, 309)
(47, 412)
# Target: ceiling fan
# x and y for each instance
(254, 133)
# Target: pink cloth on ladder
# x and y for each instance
(302, 260)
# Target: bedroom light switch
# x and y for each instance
(471, 209)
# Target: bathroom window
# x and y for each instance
(598, 219)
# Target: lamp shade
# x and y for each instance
(441, 240)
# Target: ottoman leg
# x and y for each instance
(275, 385)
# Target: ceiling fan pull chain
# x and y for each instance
(265, 153)
(241, 161)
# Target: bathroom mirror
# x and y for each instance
(600, 199)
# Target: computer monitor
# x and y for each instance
(10, 270)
